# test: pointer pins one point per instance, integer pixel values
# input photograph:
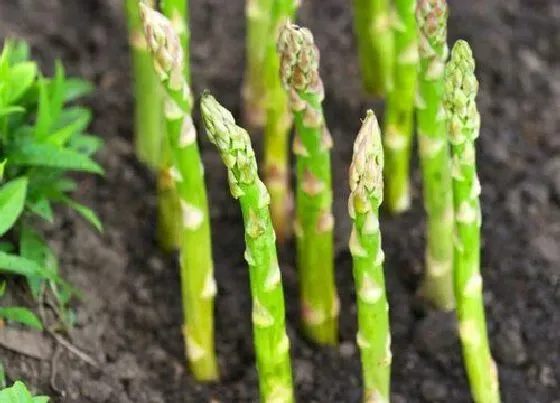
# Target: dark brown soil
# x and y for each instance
(130, 318)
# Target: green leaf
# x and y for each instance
(2, 288)
(18, 393)
(21, 315)
(2, 167)
(33, 247)
(8, 110)
(2, 376)
(88, 214)
(14, 264)
(85, 144)
(48, 155)
(6, 246)
(19, 52)
(74, 125)
(12, 200)
(21, 79)
(42, 208)
(57, 91)
(44, 117)
(75, 88)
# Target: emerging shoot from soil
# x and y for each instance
(372, 24)
(399, 116)
(437, 287)
(277, 127)
(314, 222)
(187, 174)
(271, 341)
(366, 194)
(463, 125)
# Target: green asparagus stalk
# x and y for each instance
(197, 279)
(372, 24)
(277, 128)
(400, 108)
(463, 125)
(259, 21)
(271, 341)
(148, 106)
(437, 286)
(299, 71)
(366, 194)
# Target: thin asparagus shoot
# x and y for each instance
(259, 21)
(271, 341)
(148, 96)
(366, 195)
(437, 286)
(463, 126)
(400, 108)
(197, 279)
(313, 227)
(372, 24)
(277, 127)
(177, 11)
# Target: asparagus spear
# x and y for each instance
(197, 280)
(271, 341)
(148, 107)
(463, 125)
(299, 71)
(177, 11)
(437, 287)
(400, 108)
(278, 124)
(259, 20)
(366, 194)
(375, 44)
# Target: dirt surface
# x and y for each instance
(129, 321)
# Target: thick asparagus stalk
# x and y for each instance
(372, 24)
(299, 70)
(271, 341)
(197, 280)
(277, 128)
(148, 96)
(259, 19)
(177, 11)
(366, 194)
(400, 108)
(437, 287)
(463, 125)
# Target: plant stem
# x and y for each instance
(400, 108)
(197, 279)
(271, 340)
(299, 70)
(277, 128)
(259, 20)
(366, 194)
(177, 11)
(169, 226)
(375, 44)
(437, 285)
(463, 125)
(148, 106)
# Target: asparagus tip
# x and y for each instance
(299, 58)
(431, 16)
(164, 44)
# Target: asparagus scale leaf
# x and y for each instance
(437, 286)
(271, 340)
(463, 126)
(366, 194)
(314, 222)
(187, 176)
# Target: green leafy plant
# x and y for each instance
(18, 393)
(197, 270)
(272, 346)
(42, 139)
(314, 222)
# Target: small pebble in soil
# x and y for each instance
(433, 391)
(510, 347)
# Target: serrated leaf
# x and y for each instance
(88, 214)
(22, 76)
(75, 88)
(48, 155)
(21, 315)
(71, 126)
(12, 201)
(42, 208)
